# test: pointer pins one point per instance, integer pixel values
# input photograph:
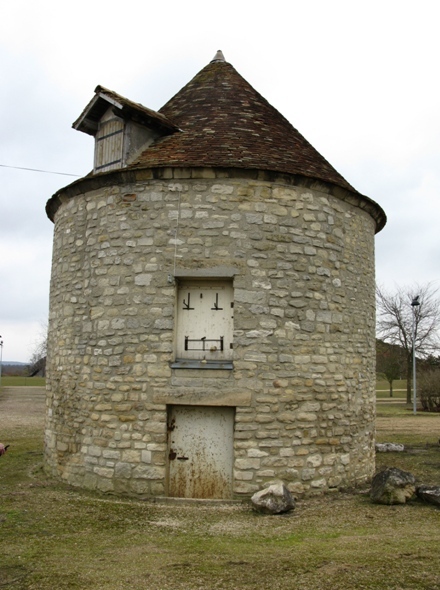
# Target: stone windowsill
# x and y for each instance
(196, 364)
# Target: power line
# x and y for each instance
(37, 170)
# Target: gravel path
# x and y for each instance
(22, 407)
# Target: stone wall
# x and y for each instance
(302, 262)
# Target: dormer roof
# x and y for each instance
(122, 107)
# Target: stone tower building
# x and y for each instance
(212, 322)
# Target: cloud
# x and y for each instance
(20, 339)
(357, 79)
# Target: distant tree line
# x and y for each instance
(15, 370)
(391, 363)
(38, 369)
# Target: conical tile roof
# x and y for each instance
(225, 122)
(217, 120)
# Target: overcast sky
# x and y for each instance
(359, 79)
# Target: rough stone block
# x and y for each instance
(122, 470)
(250, 463)
(392, 486)
(430, 494)
(276, 499)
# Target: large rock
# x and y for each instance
(429, 494)
(389, 447)
(392, 486)
(275, 499)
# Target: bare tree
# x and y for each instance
(395, 317)
(37, 362)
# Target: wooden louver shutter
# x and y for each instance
(109, 145)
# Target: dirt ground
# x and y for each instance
(22, 407)
(420, 424)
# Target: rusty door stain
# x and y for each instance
(200, 451)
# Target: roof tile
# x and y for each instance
(224, 122)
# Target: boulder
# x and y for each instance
(392, 486)
(276, 499)
(429, 494)
(389, 447)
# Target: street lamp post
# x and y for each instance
(414, 303)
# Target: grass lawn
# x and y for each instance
(383, 389)
(55, 537)
(23, 381)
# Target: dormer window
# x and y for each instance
(122, 128)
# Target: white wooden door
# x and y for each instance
(200, 451)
